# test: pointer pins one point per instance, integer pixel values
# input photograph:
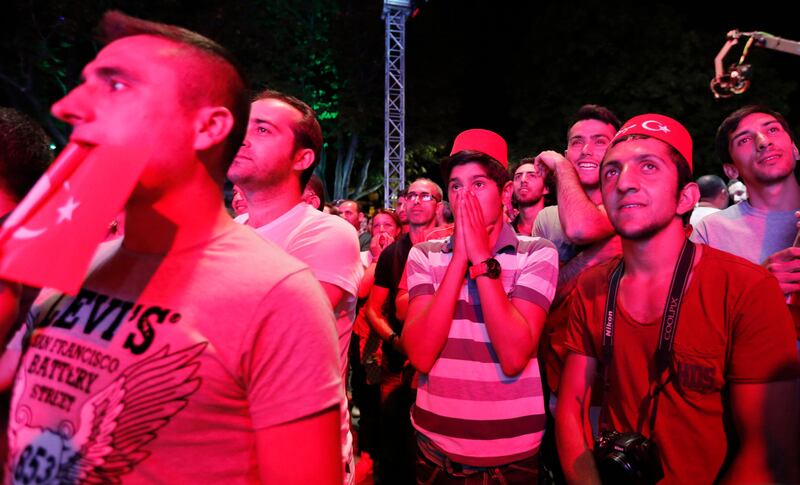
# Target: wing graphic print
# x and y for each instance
(117, 423)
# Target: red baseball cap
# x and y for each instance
(661, 128)
(483, 141)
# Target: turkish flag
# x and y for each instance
(50, 238)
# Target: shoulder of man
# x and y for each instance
(547, 217)
(748, 273)
(433, 246)
(722, 217)
(530, 244)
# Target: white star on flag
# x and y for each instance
(66, 210)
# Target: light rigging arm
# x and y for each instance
(736, 79)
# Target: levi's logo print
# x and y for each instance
(85, 407)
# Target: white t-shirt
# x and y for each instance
(329, 246)
(699, 212)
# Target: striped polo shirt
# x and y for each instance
(466, 405)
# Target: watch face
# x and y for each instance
(492, 268)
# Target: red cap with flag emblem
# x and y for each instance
(661, 128)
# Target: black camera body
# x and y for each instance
(627, 459)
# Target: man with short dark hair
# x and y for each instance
(180, 343)
(713, 197)
(579, 222)
(696, 345)
(275, 162)
(351, 211)
(314, 193)
(580, 230)
(761, 147)
(478, 301)
(529, 190)
(25, 153)
(401, 210)
(759, 143)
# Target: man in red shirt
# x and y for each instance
(709, 377)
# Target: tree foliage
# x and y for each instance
(520, 68)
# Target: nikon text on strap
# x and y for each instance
(669, 321)
(672, 308)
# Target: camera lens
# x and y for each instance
(617, 468)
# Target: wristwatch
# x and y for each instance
(490, 268)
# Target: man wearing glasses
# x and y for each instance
(397, 456)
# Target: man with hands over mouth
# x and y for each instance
(478, 301)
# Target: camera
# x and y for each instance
(627, 459)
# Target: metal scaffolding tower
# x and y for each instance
(395, 13)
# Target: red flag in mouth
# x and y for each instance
(50, 238)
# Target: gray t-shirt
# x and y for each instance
(548, 226)
(745, 231)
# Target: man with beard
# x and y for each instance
(760, 144)
(529, 191)
(274, 164)
(695, 343)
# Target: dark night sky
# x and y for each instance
(518, 67)
(480, 53)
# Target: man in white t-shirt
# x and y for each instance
(279, 153)
(713, 198)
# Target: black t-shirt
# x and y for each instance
(388, 273)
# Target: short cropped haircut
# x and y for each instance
(215, 77)
(729, 125)
(357, 203)
(494, 170)
(684, 172)
(307, 132)
(438, 190)
(24, 152)
(710, 186)
(595, 112)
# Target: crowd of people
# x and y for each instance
(593, 314)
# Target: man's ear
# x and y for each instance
(688, 198)
(507, 191)
(303, 159)
(212, 126)
(730, 170)
(314, 201)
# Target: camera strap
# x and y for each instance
(669, 320)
